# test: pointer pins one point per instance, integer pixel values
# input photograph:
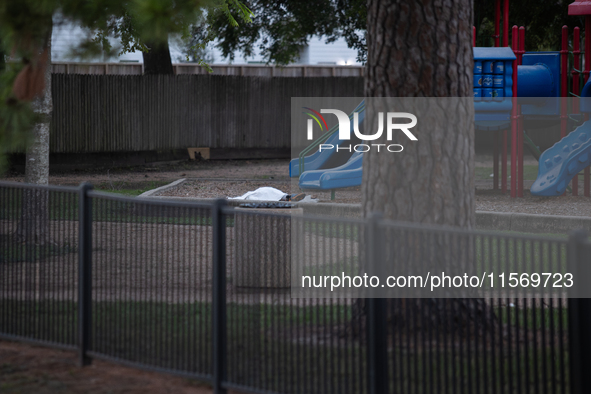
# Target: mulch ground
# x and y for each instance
(34, 369)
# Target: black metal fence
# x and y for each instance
(202, 290)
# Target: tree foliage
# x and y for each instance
(281, 29)
(16, 116)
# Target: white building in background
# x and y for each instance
(66, 36)
(316, 52)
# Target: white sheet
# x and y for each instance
(262, 194)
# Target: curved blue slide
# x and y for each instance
(560, 163)
(347, 175)
(318, 159)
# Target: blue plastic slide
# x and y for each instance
(318, 159)
(564, 160)
(347, 175)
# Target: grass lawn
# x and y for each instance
(132, 189)
(530, 172)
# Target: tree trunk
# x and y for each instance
(423, 49)
(157, 60)
(34, 225)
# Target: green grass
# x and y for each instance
(50, 319)
(504, 251)
(513, 254)
(347, 266)
(537, 318)
(333, 230)
(64, 206)
(547, 235)
(132, 189)
(12, 252)
(530, 172)
(129, 192)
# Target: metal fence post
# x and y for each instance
(579, 315)
(220, 334)
(84, 272)
(377, 332)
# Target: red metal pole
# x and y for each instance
(504, 163)
(473, 36)
(587, 69)
(577, 61)
(506, 23)
(506, 44)
(514, 118)
(496, 160)
(564, 83)
(520, 46)
(564, 64)
(497, 38)
(497, 35)
(520, 52)
(587, 174)
(576, 90)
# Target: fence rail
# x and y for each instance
(202, 290)
(253, 70)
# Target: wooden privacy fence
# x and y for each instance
(123, 113)
(254, 70)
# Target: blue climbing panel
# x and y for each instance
(493, 83)
(564, 160)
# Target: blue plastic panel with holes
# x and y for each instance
(560, 163)
(493, 83)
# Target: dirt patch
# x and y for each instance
(34, 369)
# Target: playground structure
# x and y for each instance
(565, 159)
(503, 77)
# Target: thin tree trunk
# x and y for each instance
(34, 225)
